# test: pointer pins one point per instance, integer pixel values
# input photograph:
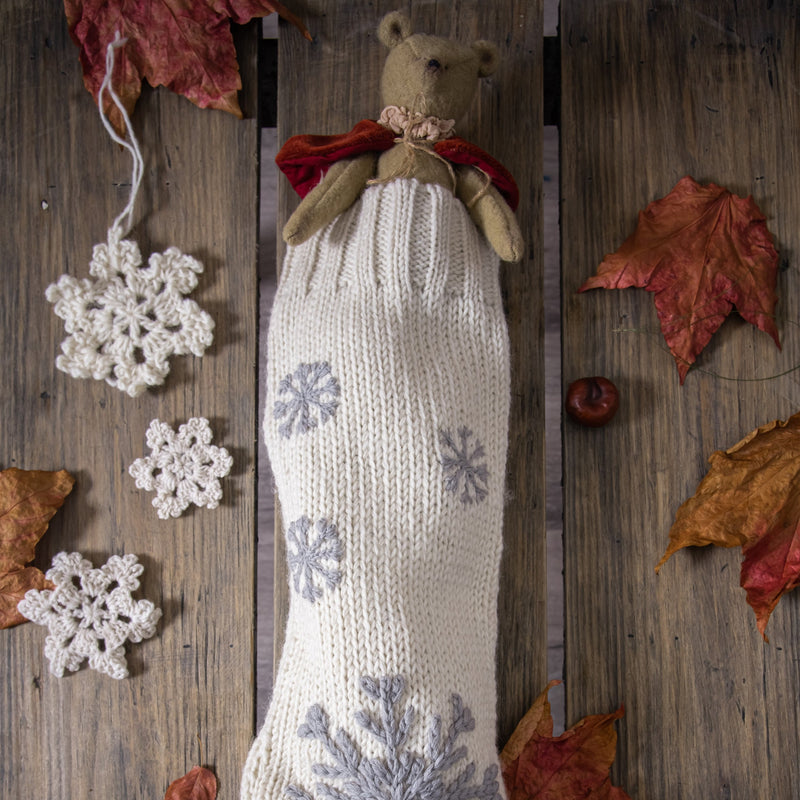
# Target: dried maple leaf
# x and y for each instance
(198, 783)
(185, 45)
(702, 250)
(28, 500)
(567, 767)
(750, 498)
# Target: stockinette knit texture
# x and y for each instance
(386, 423)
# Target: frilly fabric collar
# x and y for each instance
(415, 124)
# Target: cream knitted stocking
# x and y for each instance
(387, 406)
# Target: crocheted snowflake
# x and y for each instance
(91, 614)
(463, 466)
(311, 398)
(126, 321)
(314, 554)
(435, 774)
(183, 468)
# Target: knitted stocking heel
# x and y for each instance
(388, 393)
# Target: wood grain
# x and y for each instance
(651, 92)
(329, 85)
(189, 699)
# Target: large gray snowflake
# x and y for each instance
(314, 555)
(311, 398)
(463, 466)
(401, 774)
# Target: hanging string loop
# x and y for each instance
(124, 221)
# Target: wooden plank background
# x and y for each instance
(651, 92)
(326, 88)
(190, 696)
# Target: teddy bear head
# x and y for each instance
(435, 76)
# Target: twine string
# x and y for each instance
(696, 368)
(124, 221)
(414, 144)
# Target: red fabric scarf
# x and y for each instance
(304, 159)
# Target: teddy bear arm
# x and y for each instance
(491, 213)
(335, 193)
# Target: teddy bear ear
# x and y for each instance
(488, 58)
(393, 28)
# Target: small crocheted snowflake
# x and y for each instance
(91, 614)
(126, 321)
(463, 466)
(184, 467)
(314, 554)
(312, 396)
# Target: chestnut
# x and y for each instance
(592, 401)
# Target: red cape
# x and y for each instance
(304, 159)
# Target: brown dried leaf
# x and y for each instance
(750, 498)
(28, 500)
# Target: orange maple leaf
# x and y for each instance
(198, 783)
(701, 250)
(750, 498)
(185, 45)
(28, 500)
(538, 766)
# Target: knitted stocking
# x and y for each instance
(388, 393)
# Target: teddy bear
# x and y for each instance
(429, 78)
(386, 423)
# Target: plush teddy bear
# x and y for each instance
(427, 85)
(387, 421)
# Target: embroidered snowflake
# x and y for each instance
(183, 468)
(91, 614)
(314, 554)
(402, 774)
(127, 320)
(312, 396)
(463, 466)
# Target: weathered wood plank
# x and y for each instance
(190, 695)
(328, 86)
(652, 92)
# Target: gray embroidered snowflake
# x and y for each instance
(311, 398)
(463, 466)
(402, 774)
(314, 555)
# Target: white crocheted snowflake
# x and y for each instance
(183, 468)
(91, 614)
(126, 321)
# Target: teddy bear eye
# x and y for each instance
(434, 64)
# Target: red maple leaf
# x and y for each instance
(185, 45)
(573, 766)
(702, 250)
(750, 498)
